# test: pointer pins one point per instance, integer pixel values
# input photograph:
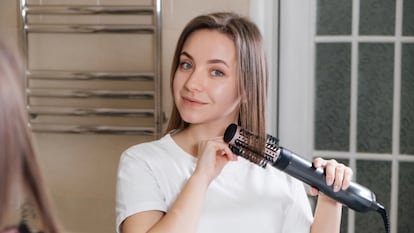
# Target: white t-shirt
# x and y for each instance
(244, 198)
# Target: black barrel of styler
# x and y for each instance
(356, 197)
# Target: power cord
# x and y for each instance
(384, 216)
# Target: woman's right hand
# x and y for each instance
(213, 155)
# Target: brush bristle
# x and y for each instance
(244, 144)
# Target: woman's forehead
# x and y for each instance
(210, 45)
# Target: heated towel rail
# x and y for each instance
(67, 99)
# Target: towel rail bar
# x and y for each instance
(83, 75)
(68, 111)
(63, 93)
(63, 28)
(102, 129)
(88, 10)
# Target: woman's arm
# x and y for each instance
(327, 217)
(181, 217)
(184, 214)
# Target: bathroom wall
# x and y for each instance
(80, 170)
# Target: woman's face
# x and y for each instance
(205, 85)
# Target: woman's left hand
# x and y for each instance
(337, 174)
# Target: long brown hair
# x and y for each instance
(18, 161)
(251, 67)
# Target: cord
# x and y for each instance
(384, 216)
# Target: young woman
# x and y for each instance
(189, 180)
(24, 205)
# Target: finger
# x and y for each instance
(339, 177)
(330, 170)
(313, 191)
(230, 155)
(319, 162)
(226, 149)
(348, 173)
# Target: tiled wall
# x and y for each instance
(81, 170)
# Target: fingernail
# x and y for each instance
(329, 181)
(336, 188)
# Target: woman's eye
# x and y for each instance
(217, 73)
(185, 66)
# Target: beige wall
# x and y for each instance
(9, 21)
(81, 170)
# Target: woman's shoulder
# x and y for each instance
(164, 141)
(157, 155)
(151, 149)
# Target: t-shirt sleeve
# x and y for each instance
(137, 187)
(298, 216)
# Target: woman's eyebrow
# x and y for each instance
(184, 53)
(211, 61)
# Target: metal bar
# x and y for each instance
(24, 40)
(64, 93)
(88, 10)
(159, 116)
(81, 75)
(64, 28)
(68, 111)
(100, 129)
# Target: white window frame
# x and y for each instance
(265, 14)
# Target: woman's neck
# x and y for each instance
(189, 137)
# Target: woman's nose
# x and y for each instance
(195, 81)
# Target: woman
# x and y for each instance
(24, 205)
(189, 180)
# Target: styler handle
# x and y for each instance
(356, 197)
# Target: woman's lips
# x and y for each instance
(192, 101)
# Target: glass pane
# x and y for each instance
(377, 17)
(407, 103)
(405, 198)
(376, 176)
(334, 17)
(408, 18)
(333, 69)
(375, 97)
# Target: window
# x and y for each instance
(346, 91)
